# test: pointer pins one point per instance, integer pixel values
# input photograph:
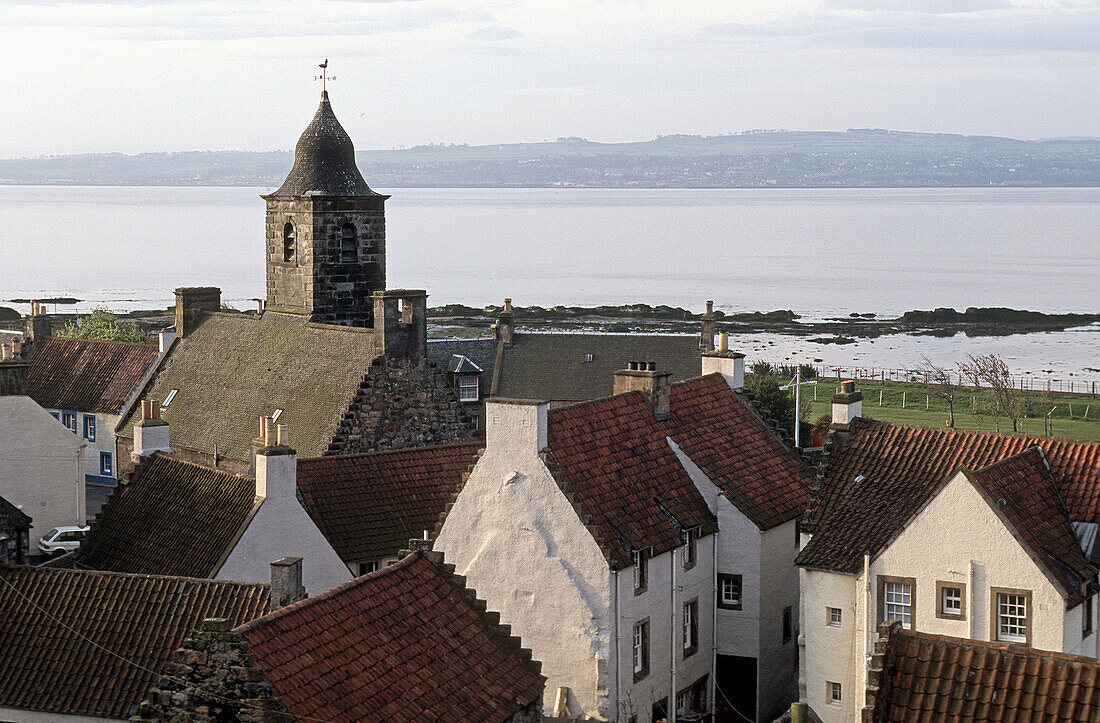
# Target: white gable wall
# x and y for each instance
(41, 466)
(280, 528)
(956, 528)
(777, 677)
(521, 546)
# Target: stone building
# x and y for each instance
(15, 530)
(325, 231)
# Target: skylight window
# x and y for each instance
(168, 400)
(275, 417)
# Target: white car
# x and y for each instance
(62, 539)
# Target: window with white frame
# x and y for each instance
(69, 420)
(833, 617)
(106, 466)
(834, 692)
(691, 540)
(1012, 609)
(729, 591)
(641, 570)
(950, 600)
(896, 599)
(89, 427)
(368, 567)
(640, 640)
(691, 627)
(467, 387)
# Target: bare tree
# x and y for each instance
(989, 370)
(937, 382)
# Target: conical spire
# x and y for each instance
(324, 160)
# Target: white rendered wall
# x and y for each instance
(104, 441)
(956, 528)
(41, 466)
(22, 715)
(282, 527)
(777, 680)
(521, 546)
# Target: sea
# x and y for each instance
(819, 252)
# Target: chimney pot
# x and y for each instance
(269, 432)
(710, 307)
(723, 342)
(847, 387)
(282, 435)
(259, 306)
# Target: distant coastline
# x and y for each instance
(861, 158)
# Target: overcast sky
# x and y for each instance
(146, 75)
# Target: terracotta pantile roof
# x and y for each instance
(613, 457)
(370, 505)
(738, 451)
(917, 677)
(872, 511)
(85, 375)
(554, 366)
(233, 369)
(91, 643)
(172, 518)
(408, 642)
(1023, 490)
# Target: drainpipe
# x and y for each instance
(868, 617)
(671, 710)
(713, 623)
(970, 599)
(618, 661)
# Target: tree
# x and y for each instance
(778, 402)
(937, 382)
(103, 325)
(989, 370)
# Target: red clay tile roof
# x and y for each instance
(1022, 488)
(758, 473)
(922, 677)
(91, 643)
(902, 472)
(408, 642)
(613, 457)
(369, 505)
(86, 375)
(172, 518)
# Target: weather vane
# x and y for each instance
(324, 77)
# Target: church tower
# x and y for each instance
(326, 231)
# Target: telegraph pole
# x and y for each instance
(797, 384)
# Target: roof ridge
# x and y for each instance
(953, 432)
(110, 573)
(168, 457)
(118, 342)
(996, 646)
(387, 452)
(1013, 458)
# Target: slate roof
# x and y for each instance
(87, 375)
(324, 160)
(553, 366)
(11, 517)
(762, 476)
(408, 642)
(612, 456)
(874, 510)
(482, 352)
(91, 643)
(923, 677)
(370, 505)
(234, 368)
(920, 457)
(172, 518)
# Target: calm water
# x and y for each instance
(818, 252)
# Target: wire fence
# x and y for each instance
(1028, 382)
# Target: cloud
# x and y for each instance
(1011, 30)
(932, 7)
(495, 32)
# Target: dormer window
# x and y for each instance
(290, 243)
(349, 245)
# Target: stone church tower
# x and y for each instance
(326, 231)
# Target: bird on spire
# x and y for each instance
(324, 77)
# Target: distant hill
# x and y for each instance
(857, 157)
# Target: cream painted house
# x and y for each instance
(987, 552)
(41, 462)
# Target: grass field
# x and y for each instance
(1068, 418)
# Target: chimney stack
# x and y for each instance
(401, 323)
(505, 326)
(151, 433)
(286, 582)
(276, 463)
(706, 328)
(643, 377)
(730, 364)
(515, 426)
(165, 337)
(13, 376)
(36, 325)
(191, 303)
(847, 404)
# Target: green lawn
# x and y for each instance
(931, 411)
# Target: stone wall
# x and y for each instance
(403, 403)
(317, 281)
(212, 677)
